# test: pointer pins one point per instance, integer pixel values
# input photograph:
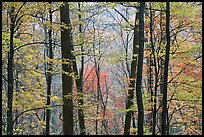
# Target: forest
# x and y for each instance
(101, 68)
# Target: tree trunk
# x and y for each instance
(139, 71)
(161, 93)
(132, 79)
(150, 74)
(97, 69)
(49, 78)
(97, 72)
(161, 68)
(79, 83)
(133, 122)
(156, 76)
(17, 91)
(10, 76)
(67, 81)
(164, 102)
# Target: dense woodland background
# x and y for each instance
(101, 68)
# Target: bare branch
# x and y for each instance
(124, 18)
(35, 110)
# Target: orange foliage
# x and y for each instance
(90, 84)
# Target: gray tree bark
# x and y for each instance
(49, 78)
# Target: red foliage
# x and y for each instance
(90, 84)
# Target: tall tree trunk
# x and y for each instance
(67, 81)
(161, 93)
(133, 122)
(132, 78)
(49, 77)
(156, 76)
(97, 69)
(161, 69)
(81, 103)
(17, 91)
(164, 102)
(45, 69)
(10, 76)
(149, 118)
(139, 71)
(79, 82)
(150, 72)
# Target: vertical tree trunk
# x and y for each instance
(161, 68)
(49, 77)
(156, 76)
(17, 90)
(10, 76)
(139, 71)
(150, 73)
(79, 82)
(164, 102)
(132, 78)
(133, 122)
(149, 116)
(67, 81)
(160, 97)
(45, 69)
(97, 69)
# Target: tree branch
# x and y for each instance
(124, 18)
(34, 110)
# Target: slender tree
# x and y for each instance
(10, 75)
(67, 80)
(49, 77)
(79, 81)
(161, 68)
(97, 71)
(132, 78)
(139, 71)
(156, 75)
(164, 102)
